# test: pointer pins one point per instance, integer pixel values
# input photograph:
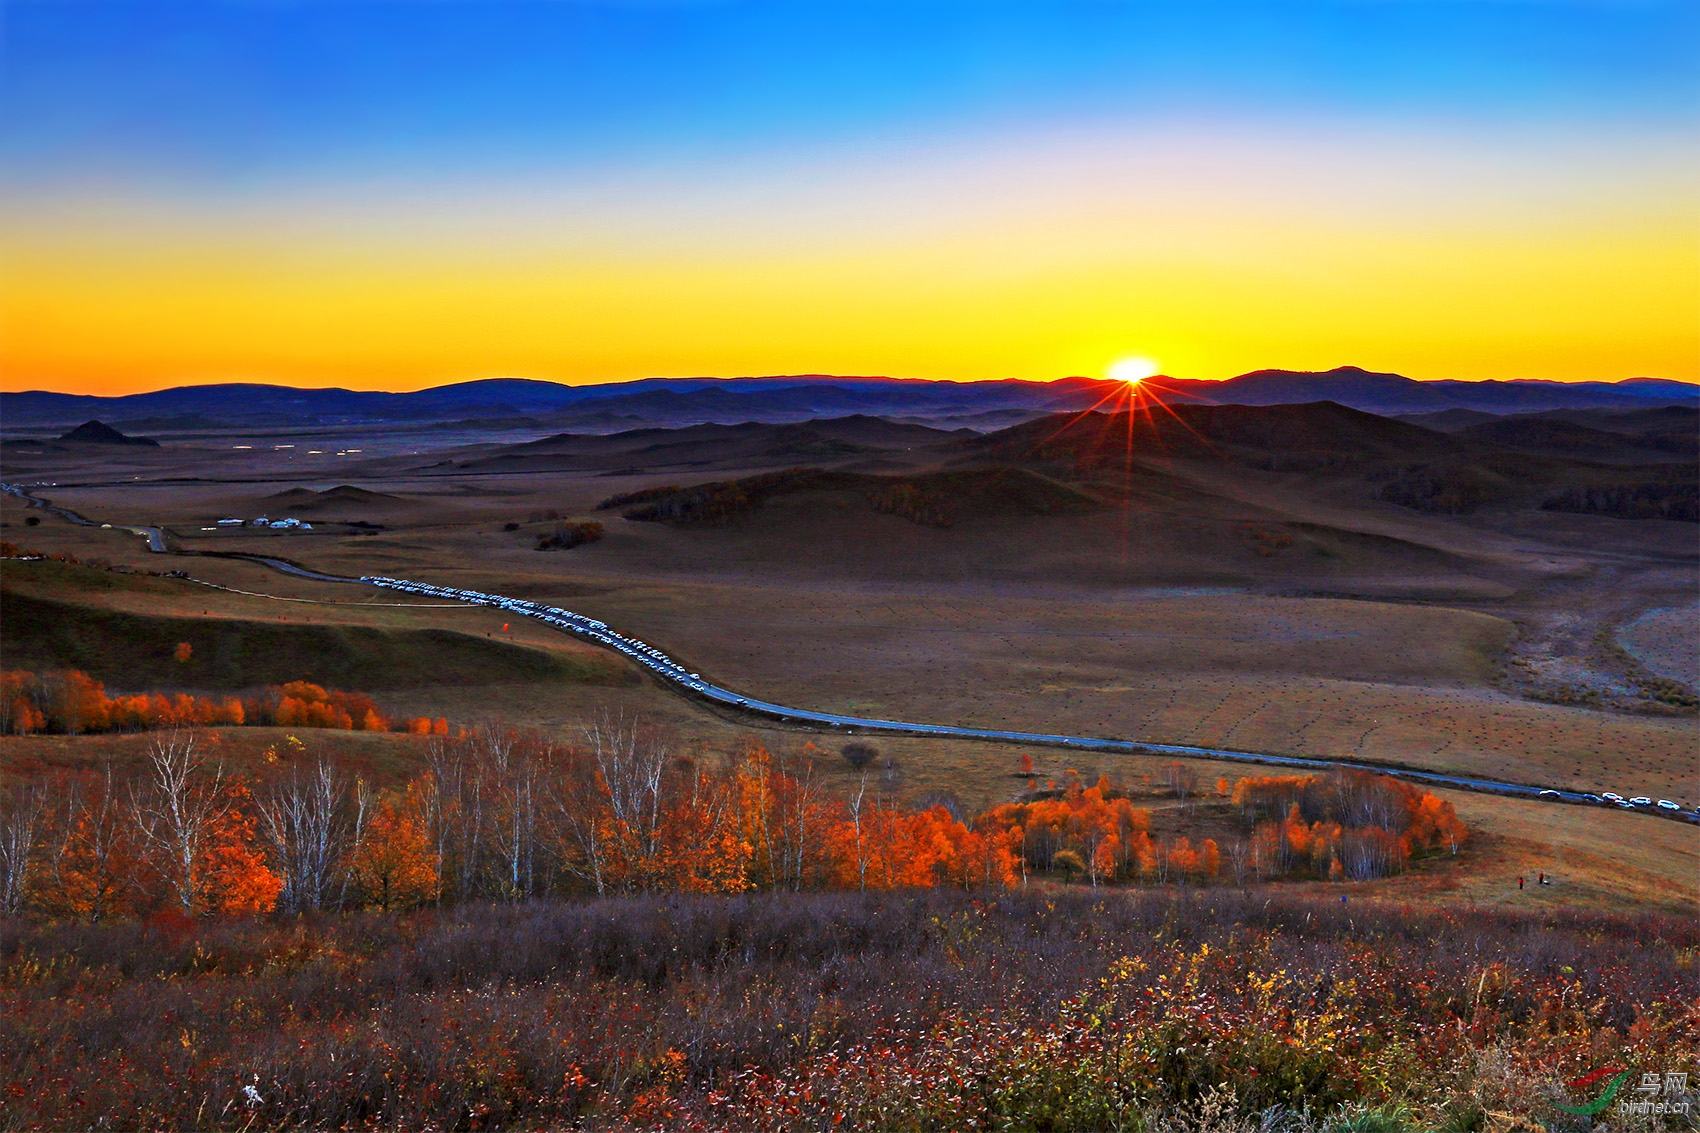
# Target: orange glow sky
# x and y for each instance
(979, 243)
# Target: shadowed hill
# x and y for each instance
(1394, 461)
(934, 499)
(1567, 438)
(342, 493)
(750, 444)
(1320, 435)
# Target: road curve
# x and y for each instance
(690, 683)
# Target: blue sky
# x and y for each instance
(242, 90)
(405, 193)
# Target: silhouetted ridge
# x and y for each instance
(100, 433)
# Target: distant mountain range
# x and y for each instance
(1393, 393)
(525, 402)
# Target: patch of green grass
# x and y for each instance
(1371, 1119)
(136, 651)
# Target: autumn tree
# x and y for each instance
(628, 760)
(235, 878)
(89, 874)
(394, 864)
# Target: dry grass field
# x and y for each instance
(1204, 605)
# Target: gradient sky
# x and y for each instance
(397, 195)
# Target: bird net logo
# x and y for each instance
(1658, 1095)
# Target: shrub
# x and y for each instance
(569, 535)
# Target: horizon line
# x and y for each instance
(818, 376)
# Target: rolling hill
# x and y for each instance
(710, 446)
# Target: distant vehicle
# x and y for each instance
(1592, 799)
(1551, 795)
(1611, 797)
(1666, 804)
(1641, 800)
(741, 700)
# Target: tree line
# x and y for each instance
(71, 702)
(494, 815)
(497, 814)
(1344, 825)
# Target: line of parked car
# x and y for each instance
(639, 651)
(1608, 798)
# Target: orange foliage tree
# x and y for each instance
(393, 863)
(1108, 835)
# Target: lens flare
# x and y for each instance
(1132, 370)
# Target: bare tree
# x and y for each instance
(174, 808)
(513, 768)
(857, 805)
(1239, 860)
(456, 810)
(306, 820)
(1182, 782)
(630, 759)
(798, 813)
(605, 802)
(21, 810)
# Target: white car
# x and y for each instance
(1551, 795)
(1640, 800)
(1666, 804)
(1609, 797)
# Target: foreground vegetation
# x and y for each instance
(1208, 1009)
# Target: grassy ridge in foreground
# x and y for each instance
(137, 650)
(1041, 1010)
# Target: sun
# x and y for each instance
(1132, 370)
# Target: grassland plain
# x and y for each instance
(1267, 611)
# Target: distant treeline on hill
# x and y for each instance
(1631, 501)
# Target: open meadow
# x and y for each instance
(1202, 603)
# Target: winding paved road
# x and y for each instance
(690, 683)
